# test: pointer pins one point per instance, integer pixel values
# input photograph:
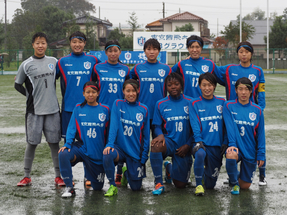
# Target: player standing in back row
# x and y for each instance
(151, 75)
(190, 69)
(42, 112)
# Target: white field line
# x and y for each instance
(278, 79)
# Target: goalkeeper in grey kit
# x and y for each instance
(38, 73)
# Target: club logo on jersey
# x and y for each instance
(161, 72)
(128, 56)
(219, 108)
(139, 117)
(98, 55)
(102, 117)
(205, 68)
(252, 77)
(185, 108)
(51, 66)
(122, 73)
(87, 65)
(252, 116)
(141, 40)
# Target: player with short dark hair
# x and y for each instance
(128, 139)
(90, 119)
(152, 43)
(246, 136)
(151, 75)
(229, 74)
(42, 112)
(190, 69)
(209, 133)
(173, 136)
(75, 70)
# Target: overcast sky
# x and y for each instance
(217, 13)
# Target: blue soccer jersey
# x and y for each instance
(206, 120)
(110, 79)
(190, 70)
(245, 129)
(130, 129)
(229, 74)
(173, 114)
(75, 71)
(151, 80)
(91, 122)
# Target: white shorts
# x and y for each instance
(49, 124)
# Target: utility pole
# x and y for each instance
(240, 22)
(268, 35)
(163, 9)
(5, 41)
(99, 12)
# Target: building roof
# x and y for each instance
(84, 19)
(185, 16)
(156, 23)
(260, 30)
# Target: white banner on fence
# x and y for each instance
(169, 41)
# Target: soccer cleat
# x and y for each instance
(111, 191)
(199, 190)
(87, 182)
(69, 192)
(25, 182)
(118, 179)
(159, 189)
(235, 190)
(59, 181)
(262, 180)
(124, 181)
(167, 177)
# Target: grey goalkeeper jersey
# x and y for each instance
(39, 78)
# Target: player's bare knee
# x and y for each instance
(179, 184)
(75, 158)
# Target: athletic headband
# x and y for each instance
(78, 37)
(113, 45)
(246, 46)
(92, 86)
(247, 85)
(194, 41)
(133, 84)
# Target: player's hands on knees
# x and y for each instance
(231, 149)
(183, 150)
(107, 150)
(63, 148)
(159, 139)
(260, 163)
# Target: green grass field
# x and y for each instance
(44, 198)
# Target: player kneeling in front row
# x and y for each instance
(128, 139)
(42, 112)
(90, 119)
(246, 136)
(173, 131)
(209, 133)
